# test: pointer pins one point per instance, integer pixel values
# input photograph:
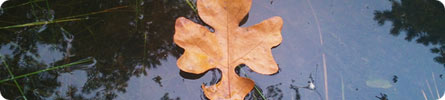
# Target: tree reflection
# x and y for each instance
(125, 43)
(421, 20)
(382, 97)
(274, 93)
(9, 89)
(166, 97)
(297, 92)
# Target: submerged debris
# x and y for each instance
(379, 83)
(395, 79)
(158, 79)
(382, 97)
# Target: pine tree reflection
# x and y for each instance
(125, 43)
(422, 20)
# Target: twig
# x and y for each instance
(325, 77)
(316, 20)
(429, 88)
(324, 57)
(435, 85)
(342, 88)
(424, 95)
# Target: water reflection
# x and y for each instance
(395, 79)
(421, 20)
(125, 42)
(274, 93)
(131, 45)
(166, 97)
(382, 96)
(158, 79)
(297, 92)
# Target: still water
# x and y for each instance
(349, 49)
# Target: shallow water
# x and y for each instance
(131, 42)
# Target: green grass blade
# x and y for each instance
(48, 69)
(191, 5)
(256, 88)
(97, 12)
(65, 19)
(41, 23)
(47, 5)
(15, 81)
(26, 3)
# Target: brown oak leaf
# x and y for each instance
(228, 46)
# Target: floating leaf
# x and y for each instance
(228, 46)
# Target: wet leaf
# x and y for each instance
(228, 46)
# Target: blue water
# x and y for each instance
(135, 57)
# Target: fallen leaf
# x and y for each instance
(228, 46)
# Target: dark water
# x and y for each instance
(372, 49)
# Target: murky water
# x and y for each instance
(349, 49)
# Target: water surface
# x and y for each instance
(371, 49)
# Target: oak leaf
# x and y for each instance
(228, 46)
